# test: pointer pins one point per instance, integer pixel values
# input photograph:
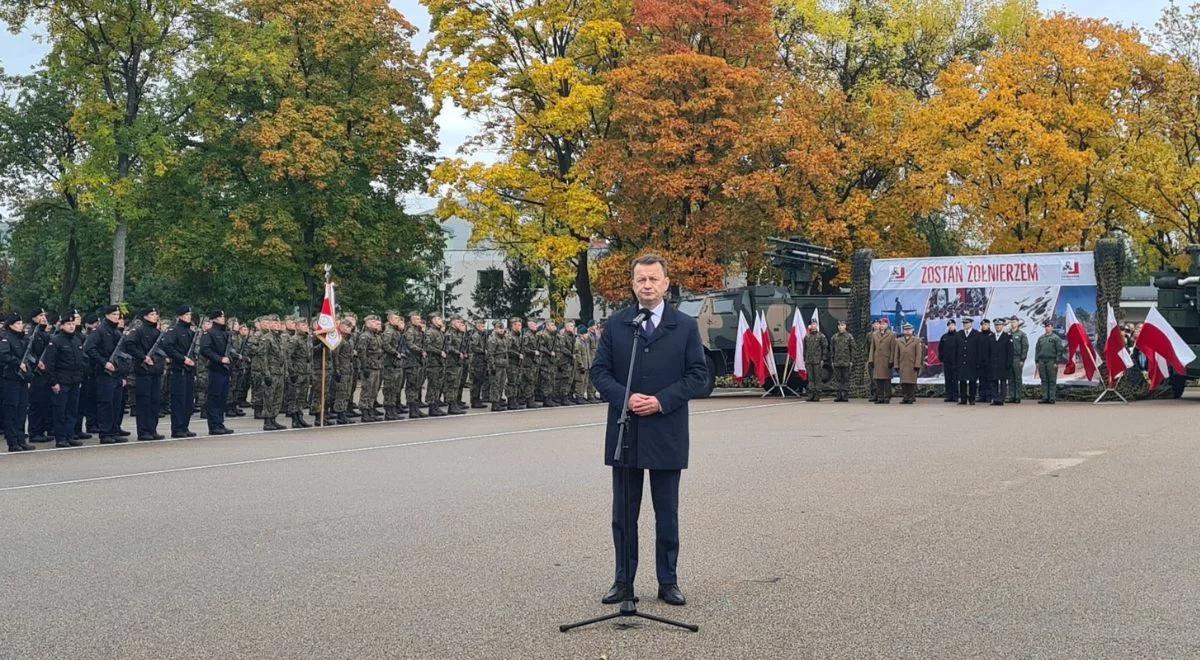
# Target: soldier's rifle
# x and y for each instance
(27, 358)
(462, 357)
(117, 353)
(195, 346)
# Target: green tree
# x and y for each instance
(488, 296)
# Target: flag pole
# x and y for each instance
(324, 354)
(1113, 389)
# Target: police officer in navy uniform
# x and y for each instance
(215, 349)
(670, 370)
(40, 420)
(177, 344)
(149, 362)
(66, 363)
(14, 383)
(108, 371)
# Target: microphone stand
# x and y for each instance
(629, 605)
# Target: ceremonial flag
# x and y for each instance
(1077, 343)
(760, 365)
(742, 351)
(327, 330)
(1116, 356)
(796, 344)
(817, 317)
(1163, 348)
(768, 349)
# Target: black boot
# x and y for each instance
(415, 412)
(343, 419)
(298, 421)
(435, 410)
(496, 407)
(478, 404)
(457, 408)
(269, 424)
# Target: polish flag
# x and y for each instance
(1077, 343)
(326, 329)
(796, 344)
(742, 352)
(1163, 348)
(768, 349)
(1116, 356)
(817, 317)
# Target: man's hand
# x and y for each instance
(56, 389)
(644, 404)
(109, 367)
(188, 361)
(23, 368)
(224, 360)
(148, 360)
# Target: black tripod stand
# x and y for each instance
(629, 605)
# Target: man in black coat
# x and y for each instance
(214, 348)
(983, 367)
(968, 364)
(66, 363)
(178, 344)
(40, 420)
(109, 371)
(670, 370)
(1000, 359)
(949, 348)
(14, 383)
(149, 362)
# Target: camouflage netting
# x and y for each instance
(859, 321)
(1110, 268)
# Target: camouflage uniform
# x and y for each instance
(480, 370)
(343, 379)
(241, 373)
(394, 347)
(815, 349)
(497, 363)
(414, 369)
(547, 368)
(583, 364)
(565, 356)
(300, 375)
(457, 359)
(435, 369)
(274, 373)
(369, 349)
(841, 356)
(516, 370)
(253, 353)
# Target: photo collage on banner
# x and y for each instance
(929, 292)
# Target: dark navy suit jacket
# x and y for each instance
(670, 366)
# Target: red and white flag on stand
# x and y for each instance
(327, 330)
(1116, 356)
(796, 344)
(816, 317)
(742, 352)
(1078, 344)
(1163, 348)
(768, 350)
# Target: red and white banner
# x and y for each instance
(1163, 348)
(1047, 269)
(796, 344)
(1116, 356)
(326, 329)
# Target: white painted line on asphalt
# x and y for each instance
(353, 450)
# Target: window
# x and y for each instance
(723, 306)
(491, 278)
(691, 307)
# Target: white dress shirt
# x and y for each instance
(656, 315)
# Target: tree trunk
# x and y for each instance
(116, 288)
(583, 288)
(70, 271)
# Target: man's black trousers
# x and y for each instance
(664, 492)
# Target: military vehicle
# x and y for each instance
(806, 268)
(1178, 300)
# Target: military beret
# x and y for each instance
(950, 322)
(514, 320)
(183, 309)
(72, 313)
(148, 311)
(10, 319)
(414, 313)
(497, 324)
(372, 317)
(53, 318)
(108, 309)
(216, 313)
(37, 311)
(456, 317)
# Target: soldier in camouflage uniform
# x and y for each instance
(369, 348)
(564, 392)
(239, 384)
(583, 364)
(300, 373)
(256, 367)
(274, 371)
(202, 382)
(457, 361)
(543, 389)
(343, 374)
(841, 356)
(435, 364)
(352, 410)
(480, 371)
(414, 364)
(516, 366)
(816, 348)
(593, 345)
(531, 364)
(394, 348)
(497, 364)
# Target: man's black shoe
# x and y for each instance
(123, 433)
(145, 436)
(179, 435)
(670, 594)
(619, 591)
(75, 443)
(78, 436)
(40, 438)
(119, 438)
(190, 434)
(220, 431)
(107, 440)
(58, 444)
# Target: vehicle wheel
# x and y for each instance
(1178, 382)
(712, 377)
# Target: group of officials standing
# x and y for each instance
(65, 379)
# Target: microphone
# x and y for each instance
(641, 317)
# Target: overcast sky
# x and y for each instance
(19, 53)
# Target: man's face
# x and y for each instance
(551, 326)
(479, 327)
(649, 284)
(68, 326)
(186, 318)
(374, 325)
(208, 325)
(438, 322)
(395, 321)
(841, 327)
(1013, 325)
(17, 326)
(516, 326)
(152, 317)
(569, 328)
(908, 332)
(40, 319)
(1049, 329)
(113, 317)
(244, 331)
(302, 327)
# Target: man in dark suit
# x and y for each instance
(670, 370)
(1000, 358)
(949, 349)
(968, 364)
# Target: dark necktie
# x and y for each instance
(649, 322)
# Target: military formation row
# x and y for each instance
(64, 379)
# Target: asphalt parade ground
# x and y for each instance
(808, 530)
